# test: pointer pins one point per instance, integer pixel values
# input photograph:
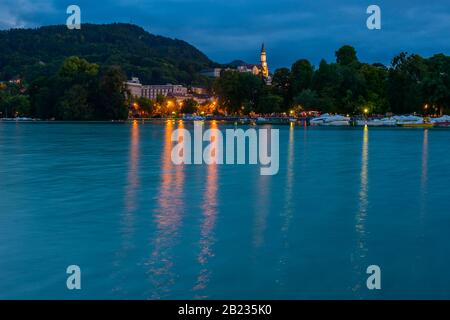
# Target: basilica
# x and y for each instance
(258, 69)
(261, 69)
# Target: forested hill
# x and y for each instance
(154, 59)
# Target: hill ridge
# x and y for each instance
(153, 58)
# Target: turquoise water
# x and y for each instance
(106, 197)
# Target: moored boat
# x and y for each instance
(385, 122)
(188, 117)
(413, 122)
(417, 125)
(329, 120)
(317, 121)
(443, 121)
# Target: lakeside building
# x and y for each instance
(256, 69)
(153, 91)
(181, 93)
(199, 90)
(134, 86)
(172, 90)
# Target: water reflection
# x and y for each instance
(424, 175)
(289, 182)
(288, 211)
(168, 218)
(131, 189)
(133, 176)
(209, 208)
(361, 249)
(262, 205)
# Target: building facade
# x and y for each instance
(258, 69)
(134, 86)
(181, 93)
(171, 90)
(138, 90)
(264, 65)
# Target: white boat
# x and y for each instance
(317, 121)
(361, 122)
(336, 120)
(261, 120)
(389, 122)
(441, 121)
(385, 122)
(408, 120)
(193, 118)
(329, 120)
(375, 123)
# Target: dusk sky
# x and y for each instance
(226, 30)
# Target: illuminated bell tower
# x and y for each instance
(264, 67)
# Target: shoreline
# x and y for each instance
(242, 122)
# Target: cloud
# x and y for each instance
(22, 13)
(229, 29)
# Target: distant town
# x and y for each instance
(179, 95)
(143, 76)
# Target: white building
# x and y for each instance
(153, 91)
(135, 87)
(179, 92)
(172, 90)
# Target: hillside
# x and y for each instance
(154, 59)
(236, 63)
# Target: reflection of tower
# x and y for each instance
(264, 67)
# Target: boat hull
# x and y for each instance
(442, 124)
(417, 125)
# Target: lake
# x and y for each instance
(106, 197)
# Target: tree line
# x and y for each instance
(411, 84)
(78, 91)
(30, 53)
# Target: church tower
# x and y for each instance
(264, 67)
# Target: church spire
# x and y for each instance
(264, 66)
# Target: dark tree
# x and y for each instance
(346, 55)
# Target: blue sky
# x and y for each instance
(226, 30)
